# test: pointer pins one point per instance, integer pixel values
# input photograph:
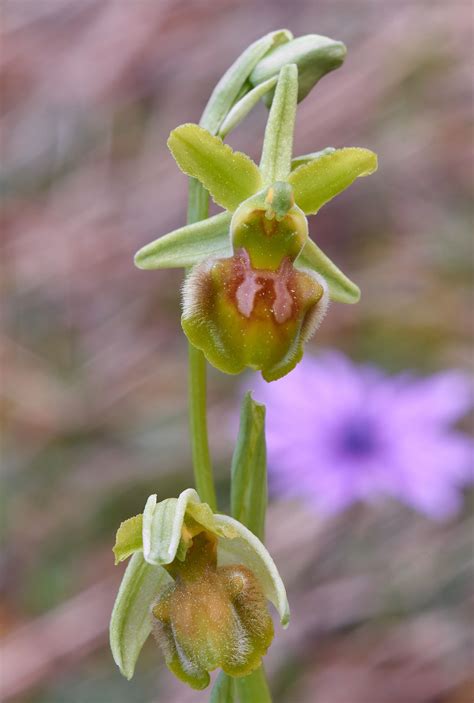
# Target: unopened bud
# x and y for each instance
(314, 55)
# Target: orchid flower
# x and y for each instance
(258, 286)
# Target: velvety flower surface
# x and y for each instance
(339, 433)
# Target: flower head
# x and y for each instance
(258, 287)
(200, 582)
(339, 433)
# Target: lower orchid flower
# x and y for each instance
(200, 582)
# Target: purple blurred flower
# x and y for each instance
(338, 433)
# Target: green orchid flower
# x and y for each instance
(258, 287)
(199, 581)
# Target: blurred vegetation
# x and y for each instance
(94, 361)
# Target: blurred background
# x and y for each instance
(94, 361)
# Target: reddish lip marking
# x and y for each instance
(253, 282)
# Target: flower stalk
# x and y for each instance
(198, 207)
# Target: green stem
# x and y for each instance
(254, 687)
(198, 208)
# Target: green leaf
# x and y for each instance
(275, 164)
(230, 85)
(130, 623)
(341, 288)
(245, 548)
(230, 176)
(242, 108)
(129, 538)
(188, 245)
(249, 470)
(244, 689)
(317, 182)
(224, 689)
(253, 688)
(314, 55)
(307, 158)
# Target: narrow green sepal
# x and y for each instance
(341, 288)
(275, 164)
(314, 55)
(320, 180)
(188, 245)
(249, 470)
(242, 108)
(229, 176)
(130, 624)
(307, 158)
(128, 539)
(230, 86)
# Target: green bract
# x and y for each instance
(259, 287)
(179, 547)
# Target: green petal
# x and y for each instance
(242, 108)
(314, 55)
(230, 85)
(317, 182)
(307, 158)
(230, 176)
(341, 288)
(163, 522)
(130, 623)
(275, 164)
(188, 245)
(128, 539)
(248, 550)
(249, 468)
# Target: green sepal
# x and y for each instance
(223, 690)
(249, 469)
(320, 180)
(242, 108)
(341, 288)
(230, 86)
(130, 624)
(307, 158)
(314, 55)
(229, 176)
(188, 245)
(128, 539)
(275, 164)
